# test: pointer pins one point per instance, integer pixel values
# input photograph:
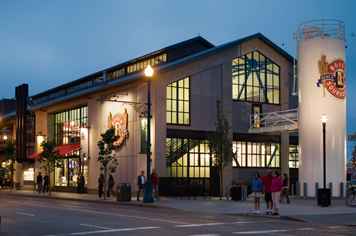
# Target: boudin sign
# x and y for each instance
(120, 123)
(332, 77)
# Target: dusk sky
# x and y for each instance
(48, 43)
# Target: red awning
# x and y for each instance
(67, 149)
(63, 150)
(35, 156)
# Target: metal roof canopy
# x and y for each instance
(274, 122)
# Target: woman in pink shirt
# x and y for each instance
(276, 188)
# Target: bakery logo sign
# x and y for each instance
(332, 77)
(119, 122)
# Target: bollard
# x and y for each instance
(297, 189)
(305, 190)
(342, 187)
(331, 188)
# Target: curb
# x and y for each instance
(287, 218)
(148, 205)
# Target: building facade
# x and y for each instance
(194, 82)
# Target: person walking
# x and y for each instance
(101, 185)
(111, 184)
(267, 182)
(39, 181)
(257, 188)
(140, 184)
(45, 183)
(155, 180)
(285, 189)
(276, 188)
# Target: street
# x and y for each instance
(45, 217)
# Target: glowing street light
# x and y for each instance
(149, 71)
(147, 197)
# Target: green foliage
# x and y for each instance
(106, 155)
(106, 149)
(219, 142)
(353, 160)
(49, 154)
(9, 150)
(10, 154)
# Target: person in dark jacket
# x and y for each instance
(39, 182)
(155, 181)
(110, 185)
(101, 185)
(141, 180)
(45, 183)
(285, 189)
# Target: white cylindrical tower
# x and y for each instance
(321, 81)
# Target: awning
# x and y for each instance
(62, 150)
(35, 156)
(67, 149)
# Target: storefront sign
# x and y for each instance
(332, 77)
(120, 123)
(28, 175)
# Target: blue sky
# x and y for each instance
(47, 43)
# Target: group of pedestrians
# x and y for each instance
(42, 183)
(141, 183)
(273, 187)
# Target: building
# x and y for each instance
(193, 82)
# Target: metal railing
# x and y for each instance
(274, 121)
(320, 29)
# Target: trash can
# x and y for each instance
(123, 192)
(324, 197)
(235, 193)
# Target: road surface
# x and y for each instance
(48, 217)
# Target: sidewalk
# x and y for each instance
(299, 209)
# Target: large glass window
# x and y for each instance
(293, 156)
(143, 135)
(255, 78)
(178, 102)
(64, 127)
(251, 154)
(156, 60)
(188, 158)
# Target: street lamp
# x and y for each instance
(324, 194)
(324, 119)
(147, 197)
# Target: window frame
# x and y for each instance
(245, 155)
(177, 103)
(236, 78)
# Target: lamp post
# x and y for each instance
(324, 194)
(323, 121)
(147, 197)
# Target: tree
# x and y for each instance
(106, 155)
(353, 160)
(220, 144)
(50, 156)
(10, 154)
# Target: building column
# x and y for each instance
(226, 97)
(18, 175)
(285, 152)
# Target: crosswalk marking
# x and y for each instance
(262, 231)
(114, 230)
(95, 226)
